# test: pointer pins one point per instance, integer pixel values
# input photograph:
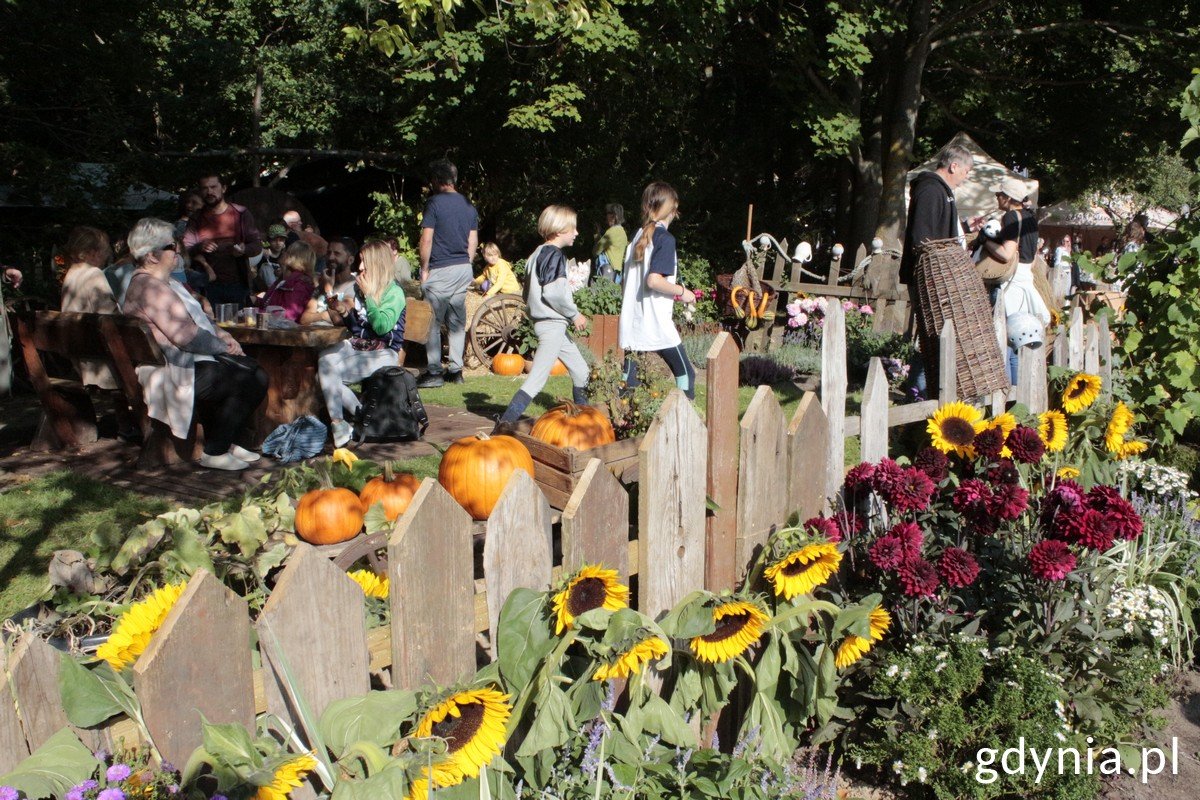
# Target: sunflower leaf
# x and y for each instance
(90, 696)
(232, 746)
(375, 717)
(660, 719)
(690, 618)
(60, 763)
(552, 721)
(388, 782)
(523, 637)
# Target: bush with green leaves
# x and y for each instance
(601, 296)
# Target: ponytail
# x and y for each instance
(659, 201)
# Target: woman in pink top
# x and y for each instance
(294, 287)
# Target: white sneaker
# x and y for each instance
(249, 456)
(342, 431)
(228, 461)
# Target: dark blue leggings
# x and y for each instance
(679, 364)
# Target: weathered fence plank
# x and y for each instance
(762, 459)
(947, 364)
(1106, 355)
(808, 444)
(1000, 322)
(721, 416)
(312, 628)
(198, 663)
(33, 667)
(873, 429)
(1091, 349)
(431, 570)
(674, 460)
(595, 523)
(517, 549)
(1059, 355)
(833, 395)
(1075, 339)
(13, 748)
(1031, 379)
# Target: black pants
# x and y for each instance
(226, 397)
(679, 364)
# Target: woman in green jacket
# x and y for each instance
(375, 317)
(610, 248)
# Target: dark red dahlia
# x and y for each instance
(1025, 444)
(886, 477)
(850, 523)
(1051, 560)
(982, 524)
(911, 538)
(958, 567)
(1089, 528)
(826, 527)
(858, 479)
(918, 578)
(989, 442)
(887, 552)
(912, 491)
(1004, 472)
(1009, 501)
(972, 497)
(1126, 523)
(933, 462)
(1061, 505)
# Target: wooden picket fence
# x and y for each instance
(758, 471)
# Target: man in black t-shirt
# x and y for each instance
(449, 236)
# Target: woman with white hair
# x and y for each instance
(207, 374)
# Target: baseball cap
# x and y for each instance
(277, 231)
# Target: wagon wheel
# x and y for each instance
(493, 330)
(372, 547)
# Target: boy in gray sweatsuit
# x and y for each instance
(552, 309)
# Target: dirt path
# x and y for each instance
(1183, 724)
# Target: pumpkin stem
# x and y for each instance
(389, 472)
(324, 477)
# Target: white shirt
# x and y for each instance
(646, 322)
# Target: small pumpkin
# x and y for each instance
(394, 489)
(475, 470)
(571, 425)
(559, 368)
(328, 516)
(508, 364)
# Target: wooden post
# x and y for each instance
(198, 663)
(673, 463)
(721, 416)
(595, 523)
(873, 425)
(947, 364)
(762, 460)
(1105, 355)
(1059, 355)
(517, 549)
(312, 628)
(1091, 349)
(808, 448)
(1031, 379)
(749, 222)
(833, 394)
(1000, 324)
(13, 747)
(33, 668)
(431, 569)
(1075, 339)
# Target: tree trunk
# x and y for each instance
(901, 110)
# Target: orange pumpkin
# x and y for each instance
(328, 516)
(475, 470)
(394, 490)
(508, 364)
(559, 368)
(571, 425)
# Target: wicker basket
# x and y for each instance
(725, 289)
(949, 288)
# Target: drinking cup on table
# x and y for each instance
(250, 317)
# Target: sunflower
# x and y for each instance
(739, 625)
(632, 660)
(133, 630)
(472, 723)
(372, 585)
(343, 456)
(854, 647)
(1068, 473)
(1131, 448)
(952, 429)
(590, 588)
(1080, 393)
(1052, 428)
(289, 775)
(801, 571)
(1118, 425)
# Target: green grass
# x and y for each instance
(489, 395)
(57, 512)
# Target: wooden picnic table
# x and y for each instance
(289, 357)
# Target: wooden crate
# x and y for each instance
(557, 470)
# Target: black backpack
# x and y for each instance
(391, 409)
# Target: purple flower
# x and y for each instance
(88, 785)
(76, 793)
(111, 794)
(8, 793)
(117, 773)
(101, 754)
(219, 797)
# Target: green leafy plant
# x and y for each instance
(630, 410)
(602, 296)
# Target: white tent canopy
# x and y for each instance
(1109, 214)
(976, 197)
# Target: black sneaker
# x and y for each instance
(454, 376)
(430, 380)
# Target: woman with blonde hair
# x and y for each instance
(651, 289)
(375, 317)
(294, 286)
